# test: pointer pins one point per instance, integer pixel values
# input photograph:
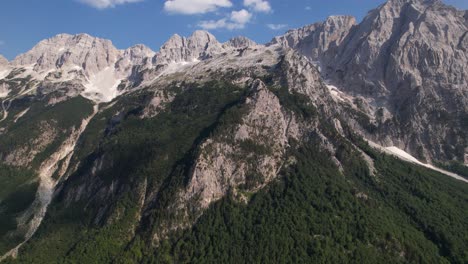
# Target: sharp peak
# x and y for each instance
(240, 41)
(75, 38)
(201, 32)
(2, 58)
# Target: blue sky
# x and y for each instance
(152, 22)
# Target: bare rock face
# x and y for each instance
(251, 155)
(313, 40)
(404, 41)
(409, 56)
(87, 52)
(89, 66)
(138, 55)
(240, 42)
(200, 45)
(304, 78)
(408, 59)
(3, 62)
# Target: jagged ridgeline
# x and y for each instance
(236, 152)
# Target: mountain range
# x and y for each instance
(336, 142)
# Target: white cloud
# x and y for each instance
(2, 42)
(241, 17)
(258, 5)
(308, 8)
(191, 7)
(102, 4)
(277, 26)
(213, 24)
(236, 20)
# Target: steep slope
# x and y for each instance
(4, 70)
(406, 65)
(4, 63)
(200, 45)
(235, 152)
(89, 66)
(240, 42)
(314, 40)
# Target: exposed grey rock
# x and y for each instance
(240, 42)
(223, 164)
(3, 62)
(410, 57)
(313, 40)
(134, 56)
(406, 60)
(87, 52)
(199, 46)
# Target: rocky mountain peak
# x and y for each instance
(240, 42)
(91, 53)
(137, 53)
(173, 42)
(200, 45)
(134, 56)
(313, 40)
(3, 62)
(203, 37)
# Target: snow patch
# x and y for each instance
(29, 71)
(171, 68)
(338, 95)
(21, 114)
(403, 155)
(395, 151)
(102, 87)
(178, 66)
(4, 73)
(68, 74)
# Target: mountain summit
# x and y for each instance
(408, 61)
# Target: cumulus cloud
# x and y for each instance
(241, 17)
(277, 26)
(103, 4)
(236, 20)
(191, 7)
(258, 5)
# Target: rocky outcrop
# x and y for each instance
(199, 46)
(313, 40)
(250, 155)
(409, 57)
(240, 42)
(406, 66)
(138, 55)
(84, 51)
(4, 71)
(24, 154)
(3, 62)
